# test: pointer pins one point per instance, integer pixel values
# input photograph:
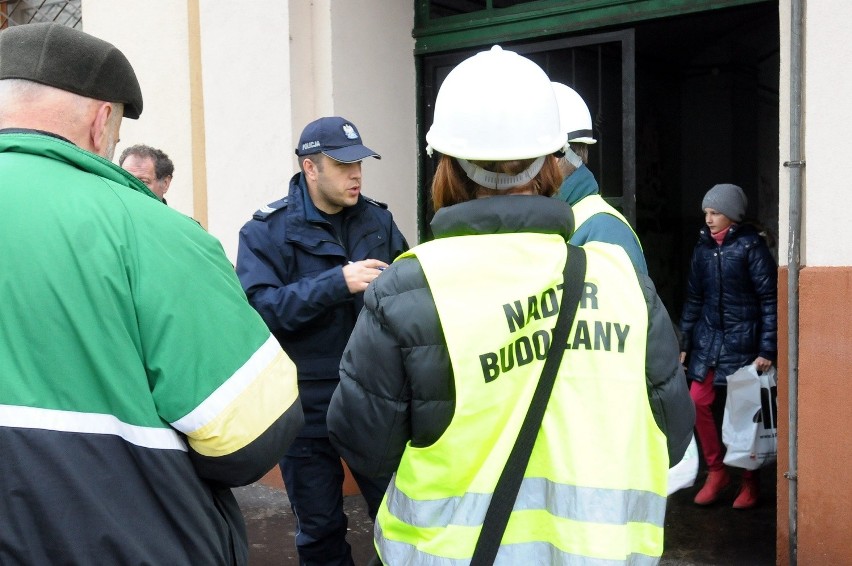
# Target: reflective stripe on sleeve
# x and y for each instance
(246, 405)
(213, 406)
(89, 423)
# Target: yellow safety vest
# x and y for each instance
(595, 486)
(590, 205)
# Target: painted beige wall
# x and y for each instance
(827, 143)
(784, 134)
(374, 86)
(154, 39)
(267, 69)
(245, 65)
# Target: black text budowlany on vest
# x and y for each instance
(588, 334)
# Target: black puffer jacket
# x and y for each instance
(396, 382)
(730, 316)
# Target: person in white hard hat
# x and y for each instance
(596, 220)
(440, 370)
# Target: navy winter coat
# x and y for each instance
(290, 264)
(730, 315)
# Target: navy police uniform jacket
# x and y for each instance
(730, 315)
(290, 264)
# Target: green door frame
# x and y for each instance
(543, 18)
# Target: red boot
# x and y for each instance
(749, 491)
(713, 486)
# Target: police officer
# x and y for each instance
(304, 262)
(596, 220)
(443, 362)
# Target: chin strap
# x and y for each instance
(500, 181)
(572, 157)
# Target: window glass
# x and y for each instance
(444, 8)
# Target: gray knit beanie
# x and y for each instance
(728, 199)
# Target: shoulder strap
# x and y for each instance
(506, 491)
(268, 209)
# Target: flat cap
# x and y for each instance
(71, 60)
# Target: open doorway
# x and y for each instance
(679, 104)
(706, 113)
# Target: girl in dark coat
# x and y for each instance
(729, 321)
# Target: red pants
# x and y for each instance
(703, 394)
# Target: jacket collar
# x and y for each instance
(578, 185)
(303, 217)
(735, 232)
(45, 144)
(300, 200)
(504, 215)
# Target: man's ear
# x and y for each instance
(166, 182)
(310, 168)
(98, 137)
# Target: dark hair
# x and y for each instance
(452, 186)
(163, 166)
(581, 149)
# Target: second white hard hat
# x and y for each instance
(574, 116)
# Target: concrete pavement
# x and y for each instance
(695, 536)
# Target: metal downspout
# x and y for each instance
(795, 165)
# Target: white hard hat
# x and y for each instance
(496, 105)
(574, 117)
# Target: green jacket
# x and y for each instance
(136, 382)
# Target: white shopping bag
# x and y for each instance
(683, 473)
(749, 427)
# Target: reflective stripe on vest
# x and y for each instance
(590, 205)
(537, 552)
(594, 489)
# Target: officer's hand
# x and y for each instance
(359, 274)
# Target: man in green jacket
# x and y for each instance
(137, 385)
